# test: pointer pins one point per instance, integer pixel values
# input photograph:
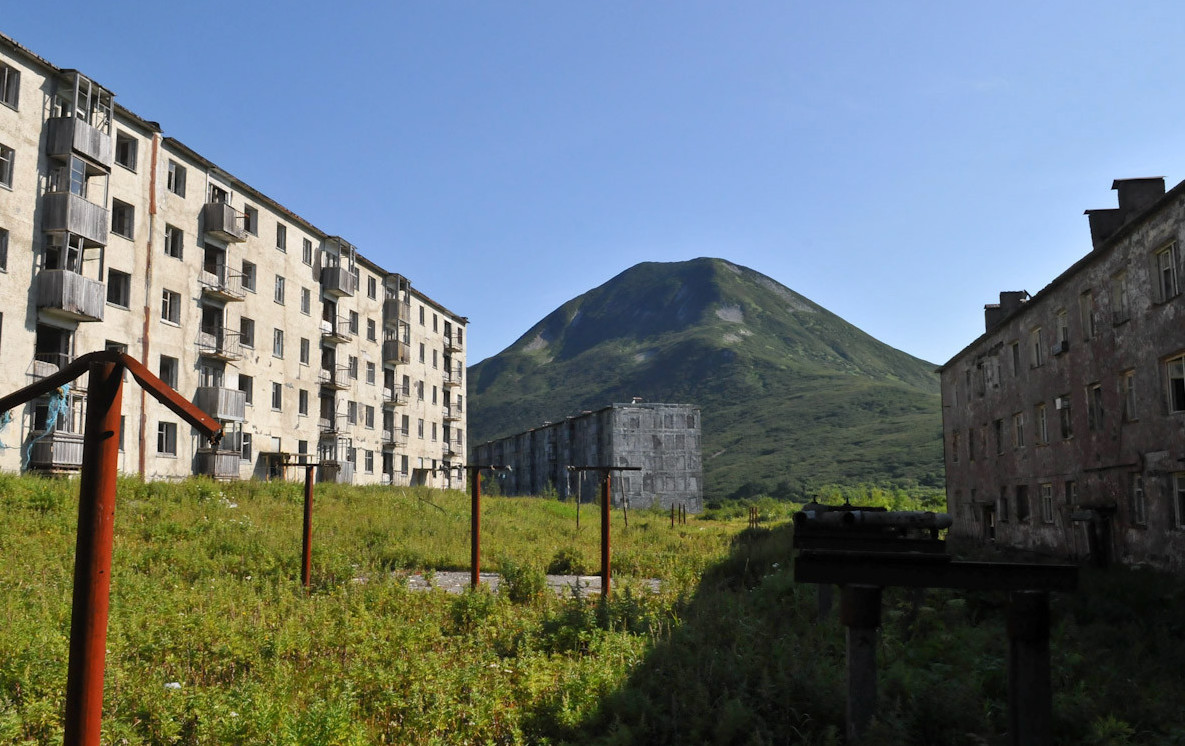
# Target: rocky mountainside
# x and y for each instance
(792, 396)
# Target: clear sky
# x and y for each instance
(899, 163)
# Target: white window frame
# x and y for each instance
(10, 86)
(166, 438)
(278, 295)
(278, 343)
(175, 181)
(7, 165)
(174, 241)
(1165, 260)
(170, 308)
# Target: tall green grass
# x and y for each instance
(212, 639)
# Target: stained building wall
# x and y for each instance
(662, 439)
(1063, 423)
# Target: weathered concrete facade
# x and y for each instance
(663, 439)
(1063, 422)
(113, 235)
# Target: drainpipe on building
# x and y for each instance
(147, 305)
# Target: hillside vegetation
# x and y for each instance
(792, 396)
(212, 640)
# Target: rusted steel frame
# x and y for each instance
(475, 518)
(923, 571)
(606, 572)
(92, 563)
(176, 403)
(474, 526)
(306, 564)
(605, 492)
(160, 391)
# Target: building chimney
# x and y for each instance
(1010, 300)
(1135, 195)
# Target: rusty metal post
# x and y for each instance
(306, 564)
(672, 515)
(1030, 691)
(475, 528)
(860, 612)
(605, 571)
(92, 558)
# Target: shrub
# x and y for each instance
(521, 583)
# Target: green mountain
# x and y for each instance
(792, 396)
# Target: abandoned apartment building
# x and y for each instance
(1063, 421)
(662, 439)
(113, 236)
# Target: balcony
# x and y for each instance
(69, 135)
(58, 451)
(448, 450)
(394, 438)
(396, 352)
(222, 284)
(396, 311)
(217, 464)
(336, 377)
(220, 344)
(70, 213)
(331, 425)
(336, 330)
(453, 378)
(452, 343)
(67, 294)
(339, 281)
(396, 397)
(224, 222)
(340, 472)
(452, 414)
(229, 405)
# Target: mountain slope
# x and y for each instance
(791, 394)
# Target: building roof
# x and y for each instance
(1096, 254)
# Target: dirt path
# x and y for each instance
(456, 582)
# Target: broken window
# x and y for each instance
(1165, 261)
(1175, 369)
(1127, 391)
(1094, 406)
(1047, 503)
(1139, 501)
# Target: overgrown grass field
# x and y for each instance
(212, 640)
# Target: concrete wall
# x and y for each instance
(1112, 475)
(137, 323)
(662, 439)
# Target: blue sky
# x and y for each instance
(898, 163)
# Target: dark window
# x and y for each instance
(119, 288)
(251, 220)
(125, 150)
(169, 370)
(123, 219)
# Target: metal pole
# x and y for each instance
(306, 564)
(92, 557)
(1030, 691)
(579, 483)
(672, 515)
(605, 573)
(475, 528)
